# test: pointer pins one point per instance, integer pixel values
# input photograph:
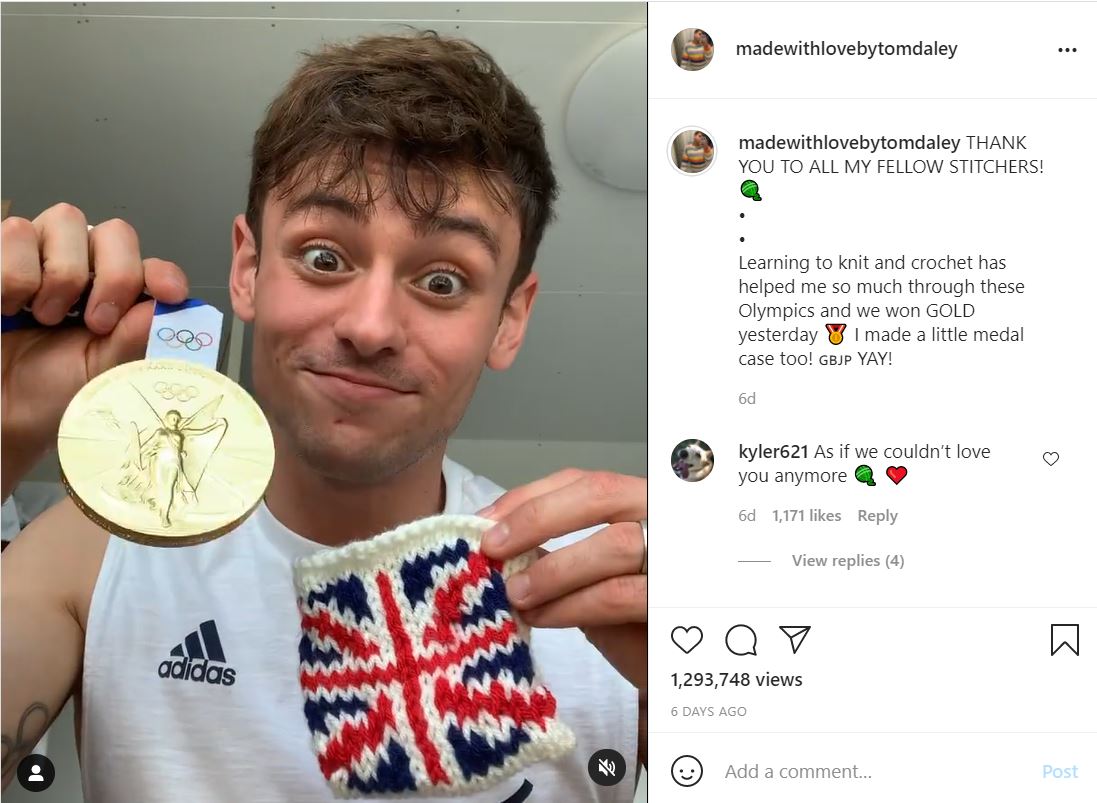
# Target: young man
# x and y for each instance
(400, 188)
(698, 154)
(697, 52)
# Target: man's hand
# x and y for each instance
(47, 265)
(595, 584)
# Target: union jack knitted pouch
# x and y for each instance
(417, 675)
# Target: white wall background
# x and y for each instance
(147, 112)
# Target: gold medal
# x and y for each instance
(165, 452)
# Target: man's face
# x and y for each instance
(370, 331)
(697, 37)
(698, 140)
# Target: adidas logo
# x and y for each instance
(199, 657)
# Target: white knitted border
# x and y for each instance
(422, 536)
(381, 550)
(557, 741)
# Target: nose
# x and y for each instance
(369, 314)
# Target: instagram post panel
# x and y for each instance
(577, 402)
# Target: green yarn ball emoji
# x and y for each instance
(864, 474)
(749, 188)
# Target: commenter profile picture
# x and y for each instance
(692, 460)
(692, 150)
(692, 49)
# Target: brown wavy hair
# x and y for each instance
(437, 107)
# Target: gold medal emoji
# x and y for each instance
(836, 330)
(165, 452)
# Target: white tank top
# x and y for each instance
(238, 732)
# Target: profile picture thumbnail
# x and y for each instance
(692, 151)
(692, 460)
(692, 49)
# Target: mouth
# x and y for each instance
(355, 388)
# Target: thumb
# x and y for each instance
(128, 340)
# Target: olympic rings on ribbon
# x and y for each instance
(175, 391)
(184, 338)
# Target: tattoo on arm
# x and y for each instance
(31, 726)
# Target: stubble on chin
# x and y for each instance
(343, 463)
(343, 458)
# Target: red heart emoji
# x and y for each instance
(896, 473)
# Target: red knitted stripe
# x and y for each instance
(352, 740)
(407, 668)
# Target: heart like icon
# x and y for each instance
(686, 638)
(1051, 458)
(896, 473)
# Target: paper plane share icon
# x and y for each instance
(796, 634)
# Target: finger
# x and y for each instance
(598, 497)
(615, 601)
(166, 281)
(506, 503)
(63, 243)
(614, 550)
(19, 269)
(115, 258)
(128, 340)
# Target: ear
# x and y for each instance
(245, 264)
(512, 327)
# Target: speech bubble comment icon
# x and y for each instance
(742, 640)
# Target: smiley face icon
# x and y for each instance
(686, 771)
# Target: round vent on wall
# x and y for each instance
(606, 124)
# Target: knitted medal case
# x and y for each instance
(417, 675)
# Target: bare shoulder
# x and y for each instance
(58, 554)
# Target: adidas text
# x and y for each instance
(186, 669)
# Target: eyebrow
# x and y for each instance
(442, 224)
(359, 212)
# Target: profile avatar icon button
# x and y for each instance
(686, 771)
(35, 773)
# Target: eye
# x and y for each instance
(322, 260)
(444, 283)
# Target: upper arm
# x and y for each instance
(48, 574)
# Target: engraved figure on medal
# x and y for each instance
(147, 452)
(165, 462)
